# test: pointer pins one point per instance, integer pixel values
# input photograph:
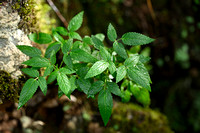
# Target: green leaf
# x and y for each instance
(121, 73)
(120, 50)
(126, 96)
(76, 22)
(97, 68)
(72, 81)
(31, 72)
(97, 43)
(82, 71)
(111, 33)
(66, 47)
(87, 40)
(62, 31)
(60, 92)
(133, 38)
(105, 54)
(63, 83)
(43, 85)
(105, 104)
(58, 37)
(84, 84)
(27, 92)
(113, 88)
(132, 61)
(100, 36)
(66, 71)
(141, 94)
(68, 61)
(52, 77)
(54, 46)
(95, 88)
(144, 59)
(53, 58)
(30, 51)
(81, 55)
(37, 62)
(139, 75)
(41, 38)
(75, 35)
(112, 67)
(48, 70)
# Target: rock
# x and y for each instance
(10, 36)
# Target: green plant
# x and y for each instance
(88, 66)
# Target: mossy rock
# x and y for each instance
(9, 87)
(131, 118)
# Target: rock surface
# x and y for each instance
(10, 36)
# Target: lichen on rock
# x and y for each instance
(10, 36)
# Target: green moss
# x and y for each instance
(9, 87)
(128, 118)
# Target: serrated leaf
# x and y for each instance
(27, 92)
(100, 36)
(95, 88)
(72, 81)
(30, 51)
(111, 33)
(139, 75)
(75, 35)
(37, 62)
(105, 104)
(43, 85)
(121, 73)
(52, 77)
(76, 22)
(84, 84)
(87, 40)
(144, 59)
(31, 72)
(48, 70)
(66, 71)
(132, 61)
(62, 31)
(40, 38)
(58, 37)
(68, 61)
(63, 83)
(97, 68)
(82, 71)
(81, 55)
(120, 50)
(54, 46)
(113, 88)
(66, 47)
(97, 43)
(105, 54)
(134, 39)
(112, 67)
(53, 58)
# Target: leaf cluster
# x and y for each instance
(88, 66)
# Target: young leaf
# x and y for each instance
(132, 61)
(53, 58)
(61, 31)
(113, 88)
(112, 67)
(97, 43)
(95, 88)
(54, 46)
(43, 85)
(139, 75)
(68, 61)
(105, 54)
(30, 51)
(31, 72)
(37, 62)
(75, 35)
(100, 36)
(97, 68)
(121, 73)
(52, 77)
(81, 55)
(87, 40)
(126, 96)
(40, 38)
(120, 50)
(105, 104)
(27, 92)
(66, 47)
(75, 22)
(134, 39)
(84, 84)
(58, 37)
(48, 70)
(111, 33)
(63, 83)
